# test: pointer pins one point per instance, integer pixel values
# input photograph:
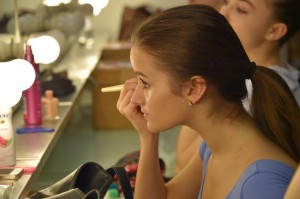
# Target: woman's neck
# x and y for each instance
(231, 134)
(267, 55)
(226, 126)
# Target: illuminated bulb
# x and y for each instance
(45, 48)
(13, 96)
(15, 77)
(55, 2)
(96, 4)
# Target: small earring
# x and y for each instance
(190, 103)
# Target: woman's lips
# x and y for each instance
(145, 115)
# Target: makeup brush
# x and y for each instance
(112, 88)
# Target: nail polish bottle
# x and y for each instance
(50, 106)
(32, 96)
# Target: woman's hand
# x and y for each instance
(129, 109)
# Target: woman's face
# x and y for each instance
(161, 108)
(213, 3)
(251, 20)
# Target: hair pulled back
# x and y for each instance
(275, 109)
(196, 40)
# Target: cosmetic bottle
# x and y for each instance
(32, 96)
(50, 106)
(7, 145)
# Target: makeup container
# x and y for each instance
(50, 106)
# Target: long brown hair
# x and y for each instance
(195, 40)
(275, 109)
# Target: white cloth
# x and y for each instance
(247, 100)
(291, 76)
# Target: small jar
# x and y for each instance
(50, 106)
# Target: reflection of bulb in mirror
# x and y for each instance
(69, 23)
(15, 76)
(97, 5)
(45, 49)
(55, 2)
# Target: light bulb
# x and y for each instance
(9, 97)
(15, 76)
(96, 4)
(55, 2)
(45, 48)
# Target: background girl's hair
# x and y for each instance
(275, 109)
(193, 40)
(288, 12)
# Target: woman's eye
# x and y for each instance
(145, 84)
(241, 11)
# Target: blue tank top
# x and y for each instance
(263, 179)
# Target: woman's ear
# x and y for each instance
(276, 32)
(195, 89)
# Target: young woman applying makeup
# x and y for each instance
(263, 26)
(187, 75)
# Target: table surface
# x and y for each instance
(33, 149)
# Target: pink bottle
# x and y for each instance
(32, 96)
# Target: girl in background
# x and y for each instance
(213, 3)
(263, 27)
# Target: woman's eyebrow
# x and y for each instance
(140, 74)
(248, 2)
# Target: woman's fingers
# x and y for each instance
(126, 94)
(131, 110)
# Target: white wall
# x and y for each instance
(110, 17)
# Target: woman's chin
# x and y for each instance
(153, 128)
(156, 128)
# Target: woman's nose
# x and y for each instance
(224, 10)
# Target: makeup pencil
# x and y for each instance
(112, 88)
